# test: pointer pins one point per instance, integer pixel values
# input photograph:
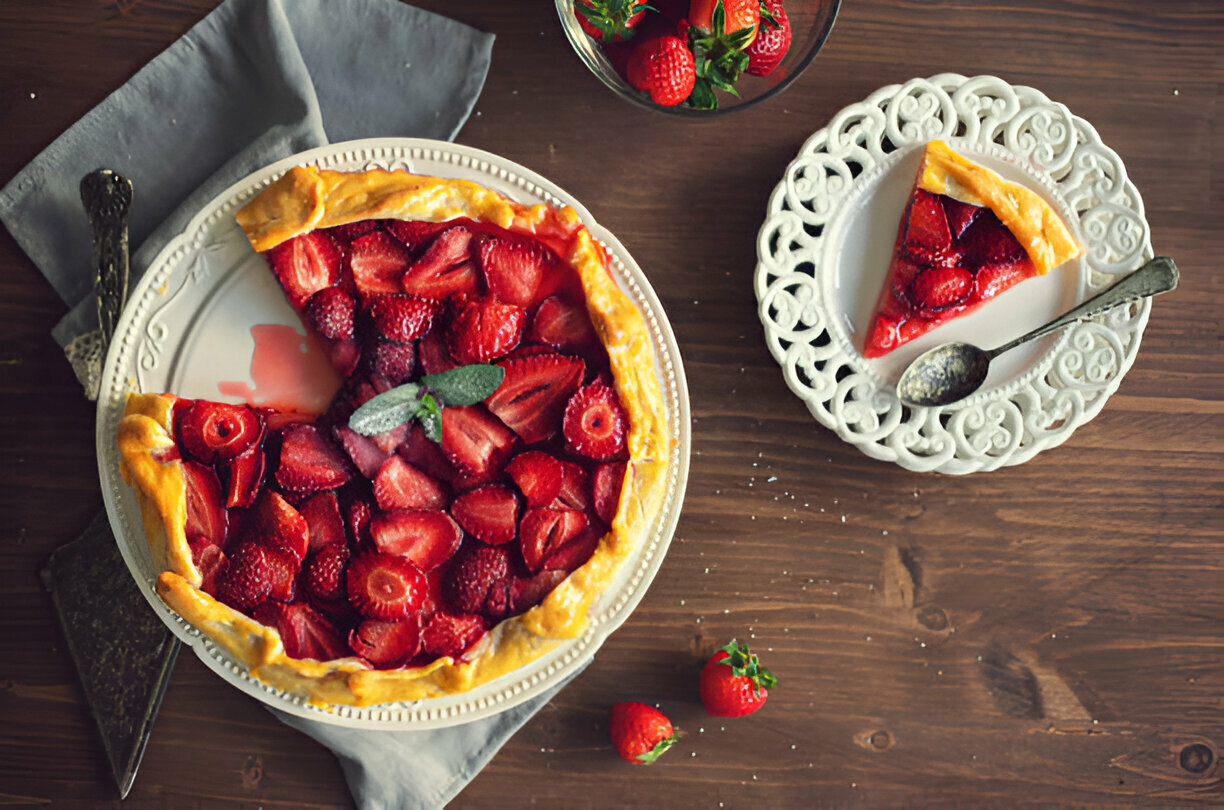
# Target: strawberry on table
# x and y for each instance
(664, 69)
(610, 20)
(772, 41)
(640, 733)
(733, 683)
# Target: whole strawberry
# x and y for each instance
(663, 68)
(640, 733)
(733, 682)
(610, 20)
(772, 42)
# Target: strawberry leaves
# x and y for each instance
(424, 400)
(746, 664)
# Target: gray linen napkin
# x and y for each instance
(253, 82)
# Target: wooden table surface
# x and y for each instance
(1049, 632)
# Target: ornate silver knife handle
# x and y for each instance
(107, 196)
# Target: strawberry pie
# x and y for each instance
(495, 453)
(966, 236)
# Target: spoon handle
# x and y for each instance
(1157, 276)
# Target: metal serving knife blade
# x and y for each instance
(107, 196)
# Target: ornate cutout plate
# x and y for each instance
(825, 245)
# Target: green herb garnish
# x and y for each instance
(425, 399)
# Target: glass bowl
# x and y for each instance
(810, 20)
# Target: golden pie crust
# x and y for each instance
(305, 199)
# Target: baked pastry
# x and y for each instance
(410, 543)
(966, 236)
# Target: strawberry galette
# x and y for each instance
(966, 235)
(495, 453)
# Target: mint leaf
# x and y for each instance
(430, 414)
(465, 385)
(387, 410)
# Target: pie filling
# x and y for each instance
(400, 550)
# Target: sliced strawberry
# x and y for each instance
(305, 633)
(390, 441)
(595, 423)
(425, 454)
(448, 634)
(360, 514)
(330, 312)
(537, 475)
(575, 488)
(995, 277)
(310, 461)
(513, 267)
(324, 573)
(364, 452)
(246, 579)
(209, 560)
(474, 440)
(216, 431)
(343, 355)
(488, 513)
(305, 264)
(395, 362)
(475, 577)
(543, 531)
(386, 645)
(351, 230)
(927, 225)
(323, 521)
(986, 241)
(399, 485)
(206, 515)
(960, 215)
(276, 520)
(527, 592)
(485, 330)
(427, 537)
(283, 568)
(434, 353)
(938, 288)
(562, 324)
(533, 393)
(574, 552)
(245, 473)
(445, 268)
(415, 234)
(385, 586)
(606, 488)
(378, 261)
(402, 317)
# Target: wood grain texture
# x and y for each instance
(1048, 633)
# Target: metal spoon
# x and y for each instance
(953, 371)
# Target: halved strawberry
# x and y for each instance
(386, 645)
(448, 634)
(533, 393)
(595, 423)
(425, 454)
(378, 261)
(216, 431)
(445, 268)
(275, 520)
(245, 472)
(960, 215)
(527, 592)
(474, 440)
(537, 475)
(351, 230)
(385, 586)
(573, 553)
(206, 515)
(310, 461)
(427, 537)
(488, 513)
(209, 560)
(364, 452)
(283, 569)
(606, 488)
(514, 266)
(938, 288)
(475, 576)
(927, 225)
(305, 633)
(402, 317)
(343, 355)
(359, 516)
(330, 312)
(995, 277)
(484, 330)
(575, 488)
(305, 264)
(563, 324)
(415, 233)
(395, 362)
(323, 521)
(543, 531)
(323, 574)
(987, 241)
(245, 581)
(399, 485)
(434, 353)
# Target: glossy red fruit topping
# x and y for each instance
(209, 560)
(475, 577)
(513, 268)
(927, 224)
(416, 234)
(533, 394)
(363, 451)
(403, 317)
(449, 634)
(543, 531)
(323, 520)
(664, 69)
(276, 521)
(772, 41)
(960, 215)
(358, 517)
(344, 355)
(305, 264)
(570, 555)
(246, 579)
(434, 353)
(488, 513)
(215, 431)
(484, 330)
(387, 644)
(324, 573)
(995, 277)
(595, 423)
(395, 362)
(399, 485)
(283, 569)
(987, 241)
(562, 324)
(575, 488)
(426, 537)
(385, 586)
(310, 461)
(305, 633)
(474, 440)
(330, 312)
(445, 268)
(606, 488)
(245, 472)
(351, 230)
(537, 475)
(206, 515)
(378, 261)
(527, 592)
(938, 288)
(425, 454)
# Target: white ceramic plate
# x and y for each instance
(825, 246)
(187, 330)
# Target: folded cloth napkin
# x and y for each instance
(253, 82)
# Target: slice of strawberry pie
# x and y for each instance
(966, 236)
(495, 452)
